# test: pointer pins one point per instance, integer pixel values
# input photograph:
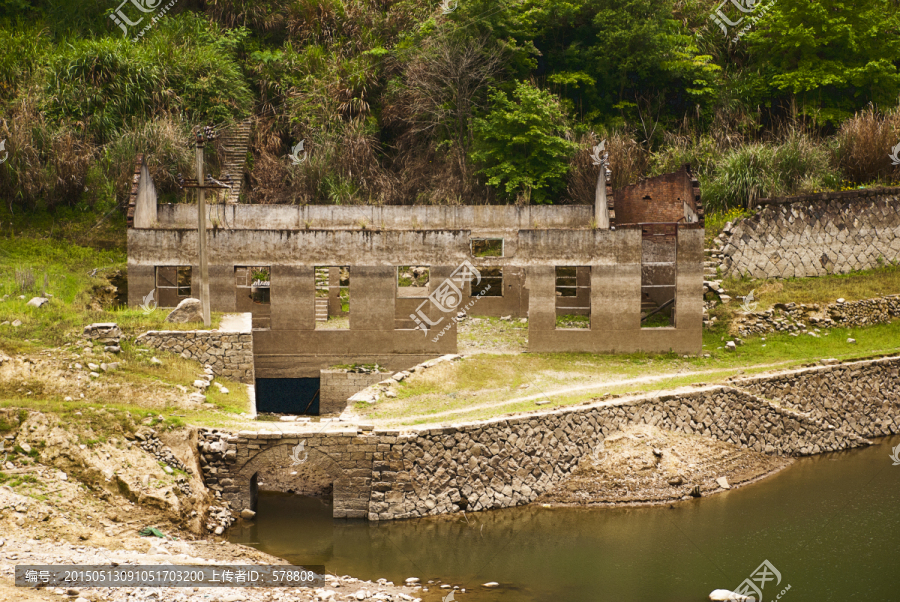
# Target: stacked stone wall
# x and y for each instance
(786, 317)
(336, 386)
(860, 397)
(230, 354)
(390, 474)
(504, 463)
(229, 462)
(813, 236)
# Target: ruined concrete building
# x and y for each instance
(338, 285)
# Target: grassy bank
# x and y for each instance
(489, 385)
(822, 290)
(44, 341)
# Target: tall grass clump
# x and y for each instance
(166, 145)
(185, 66)
(864, 143)
(796, 164)
(701, 152)
(47, 165)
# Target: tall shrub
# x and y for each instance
(519, 146)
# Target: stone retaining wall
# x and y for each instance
(859, 397)
(509, 462)
(230, 354)
(390, 474)
(813, 236)
(336, 386)
(798, 318)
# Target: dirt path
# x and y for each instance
(567, 390)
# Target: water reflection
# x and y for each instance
(830, 524)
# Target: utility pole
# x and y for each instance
(201, 231)
(201, 184)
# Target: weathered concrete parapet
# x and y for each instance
(407, 473)
(230, 354)
(832, 233)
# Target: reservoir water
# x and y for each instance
(829, 524)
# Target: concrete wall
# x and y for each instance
(478, 218)
(336, 386)
(506, 462)
(831, 233)
(615, 258)
(142, 198)
(230, 354)
(293, 348)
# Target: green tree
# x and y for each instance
(831, 56)
(519, 145)
(629, 57)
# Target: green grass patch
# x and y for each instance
(477, 332)
(571, 321)
(16, 480)
(498, 378)
(714, 221)
(660, 320)
(62, 271)
(866, 284)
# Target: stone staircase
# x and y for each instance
(321, 309)
(647, 304)
(235, 142)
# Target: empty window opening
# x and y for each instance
(412, 280)
(173, 283)
(491, 284)
(573, 297)
(252, 286)
(333, 298)
(658, 273)
(487, 247)
(259, 282)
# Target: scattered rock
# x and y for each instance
(730, 346)
(723, 483)
(189, 310)
(412, 580)
(247, 514)
(156, 361)
(490, 584)
(17, 323)
(38, 302)
(851, 340)
(723, 594)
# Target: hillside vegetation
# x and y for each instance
(463, 101)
